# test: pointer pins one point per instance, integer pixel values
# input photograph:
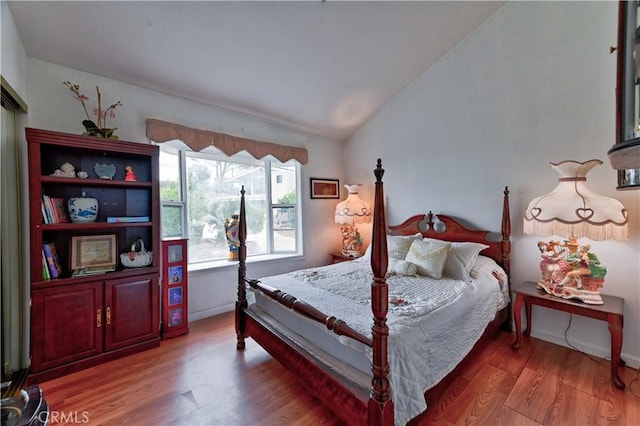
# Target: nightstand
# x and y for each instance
(610, 311)
(338, 257)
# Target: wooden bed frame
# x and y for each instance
(352, 403)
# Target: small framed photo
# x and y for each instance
(175, 317)
(174, 253)
(90, 251)
(175, 274)
(325, 188)
(175, 296)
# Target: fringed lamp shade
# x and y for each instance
(569, 269)
(349, 213)
(572, 210)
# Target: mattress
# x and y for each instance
(433, 324)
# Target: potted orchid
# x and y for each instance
(100, 128)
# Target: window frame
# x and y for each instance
(211, 153)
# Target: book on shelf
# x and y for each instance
(45, 217)
(127, 219)
(53, 210)
(50, 254)
(93, 270)
(45, 268)
(59, 212)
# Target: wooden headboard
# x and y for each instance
(500, 251)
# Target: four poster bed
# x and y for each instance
(382, 371)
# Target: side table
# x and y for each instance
(611, 311)
(338, 257)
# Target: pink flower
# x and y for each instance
(98, 111)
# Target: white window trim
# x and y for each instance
(246, 159)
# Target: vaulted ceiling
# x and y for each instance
(321, 67)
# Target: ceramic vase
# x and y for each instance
(83, 209)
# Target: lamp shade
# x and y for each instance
(573, 210)
(352, 210)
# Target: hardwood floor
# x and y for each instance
(200, 379)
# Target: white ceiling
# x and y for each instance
(322, 67)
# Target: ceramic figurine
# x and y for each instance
(231, 228)
(129, 175)
(571, 271)
(66, 170)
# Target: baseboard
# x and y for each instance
(205, 313)
(597, 351)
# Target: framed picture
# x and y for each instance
(175, 274)
(175, 317)
(175, 296)
(174, 253)
(91, 251)
(325, 188)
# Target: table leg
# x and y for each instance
(527, 310)
(615, 328)
(517, 316)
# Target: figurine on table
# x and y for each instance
(129, 175)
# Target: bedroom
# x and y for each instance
(521, 91)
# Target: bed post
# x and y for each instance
(241, 303)
(380, 403)
(506, 250)
(506, 233)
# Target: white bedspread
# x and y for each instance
(433, 324)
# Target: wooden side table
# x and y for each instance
(339, 257)
(611, 311)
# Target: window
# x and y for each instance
(200, 191)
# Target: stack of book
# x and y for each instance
(51, 267)
(53, 210)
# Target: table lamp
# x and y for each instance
(349, 213)
(569, 269)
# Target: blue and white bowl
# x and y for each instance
(83, 209)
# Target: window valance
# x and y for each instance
(196, 139)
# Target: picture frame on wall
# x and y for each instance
(325, 188)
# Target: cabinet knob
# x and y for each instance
(108, 315)
(98, 317)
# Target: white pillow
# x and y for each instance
(397, 246)
(461, 259)
(401, 267)
(429, 257)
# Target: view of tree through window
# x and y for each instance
(212, 195)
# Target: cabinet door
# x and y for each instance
(131, 310)
(66, 324)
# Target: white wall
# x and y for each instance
(534, 84)
(12, 52)
(53, 107)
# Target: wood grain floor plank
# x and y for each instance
(200, 379)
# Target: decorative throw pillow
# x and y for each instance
(401, 267)
(405, 268)
(461, 259)
(397, 246)
(429, 257)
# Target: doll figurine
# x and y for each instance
(129, 175)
